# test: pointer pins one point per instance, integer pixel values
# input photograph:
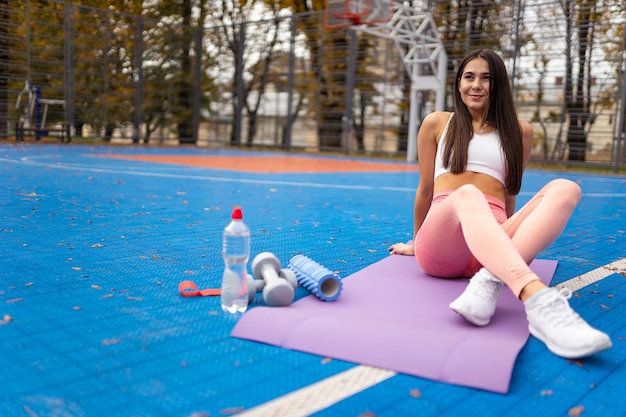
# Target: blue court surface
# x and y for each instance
(94, 247)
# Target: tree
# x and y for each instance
(584, 29)
(184, 19)
(541, 65)
(249, 36)
(230, 41)
(365, 91)
(467, 25)
(42, 65)
(541, 54)
(268, 34)
(327, 49)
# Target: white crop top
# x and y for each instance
(484, 155)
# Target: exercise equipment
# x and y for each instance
(316, 278)
(190, 289)
(34, 119)
(278, 285)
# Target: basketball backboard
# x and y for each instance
(343, 13)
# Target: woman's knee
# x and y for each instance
(470, 204)
(469, 191)
(469, 194)
(566, 190)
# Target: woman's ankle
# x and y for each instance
(531, 289)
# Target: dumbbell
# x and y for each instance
(257, 285)
(278, 285)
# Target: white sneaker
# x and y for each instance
(565, 333)
(477, 304)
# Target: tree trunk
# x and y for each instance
(358, 123)
(252, 128)
(578, 107)
(185, 126)
(333, 92)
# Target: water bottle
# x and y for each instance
(235, 251)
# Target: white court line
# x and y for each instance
(576, 283)
(30, 160)
(329, 391)
(322, 394)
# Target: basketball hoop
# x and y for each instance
(355, 18)
(344, 13)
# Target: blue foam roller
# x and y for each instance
(319, 280)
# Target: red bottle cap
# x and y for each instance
(237, 214)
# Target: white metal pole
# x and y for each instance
(411, 150)
(442, 70)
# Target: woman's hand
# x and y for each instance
(401, 249)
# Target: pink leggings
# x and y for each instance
(466, 229)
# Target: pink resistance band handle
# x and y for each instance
(190, 289)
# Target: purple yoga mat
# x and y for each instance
(393, 316)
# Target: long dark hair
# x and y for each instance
(500, 114)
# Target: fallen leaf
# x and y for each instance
(200, 414)
(96, 245)
(576, 362)
(15, 300)
(576, 411)
(326, 360)
(605, 307)
(415, 393)
(135, 298)
(107, 342)
(546, 392)
(231, 411)
(96, 287)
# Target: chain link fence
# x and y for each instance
(281, 80)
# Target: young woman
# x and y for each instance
(471, 166)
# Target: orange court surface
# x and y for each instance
(272, 164)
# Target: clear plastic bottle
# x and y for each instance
(235, 251)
